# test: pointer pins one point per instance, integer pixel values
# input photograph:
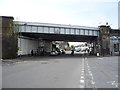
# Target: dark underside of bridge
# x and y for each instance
(61, 37)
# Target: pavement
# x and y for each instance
(61, 72)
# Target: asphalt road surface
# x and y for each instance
(61, 72)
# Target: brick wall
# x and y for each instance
(9, 38)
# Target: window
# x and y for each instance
(57, 30)
(28, 29)
(46, 30)
(77, 31)
(81, 32)
(67, 31)
(86, 32)
(95, 33)
(72, 31)
(90, 32)
(34, 29)
(51, 30)
(62, 31)
(21, 28)
(40, 29)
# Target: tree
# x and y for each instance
(72, 46)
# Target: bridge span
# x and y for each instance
(57, 32)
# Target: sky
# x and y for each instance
(74, 12)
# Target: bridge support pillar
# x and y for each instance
(94, 48)
(9, 38)
(103, 45)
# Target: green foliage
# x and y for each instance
(72, 46)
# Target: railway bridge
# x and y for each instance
(27, 36)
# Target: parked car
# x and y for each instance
(59, 52)
(78, 49)
(62, 51)
(53, 53)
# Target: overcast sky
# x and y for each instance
(75, 12)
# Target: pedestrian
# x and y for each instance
(43, 53)
(72, 53)
(84, 53)
(31, 52)
(87, 51)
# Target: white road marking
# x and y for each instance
(88, 66)
(92, 82)
(88, 69)
(81, 81)
(82, 73)
(112, 83)
(92, 78)
(82, 69)
(81, 86)
(116, 85)
(82, 77)
(90, 74)
(100, 58)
